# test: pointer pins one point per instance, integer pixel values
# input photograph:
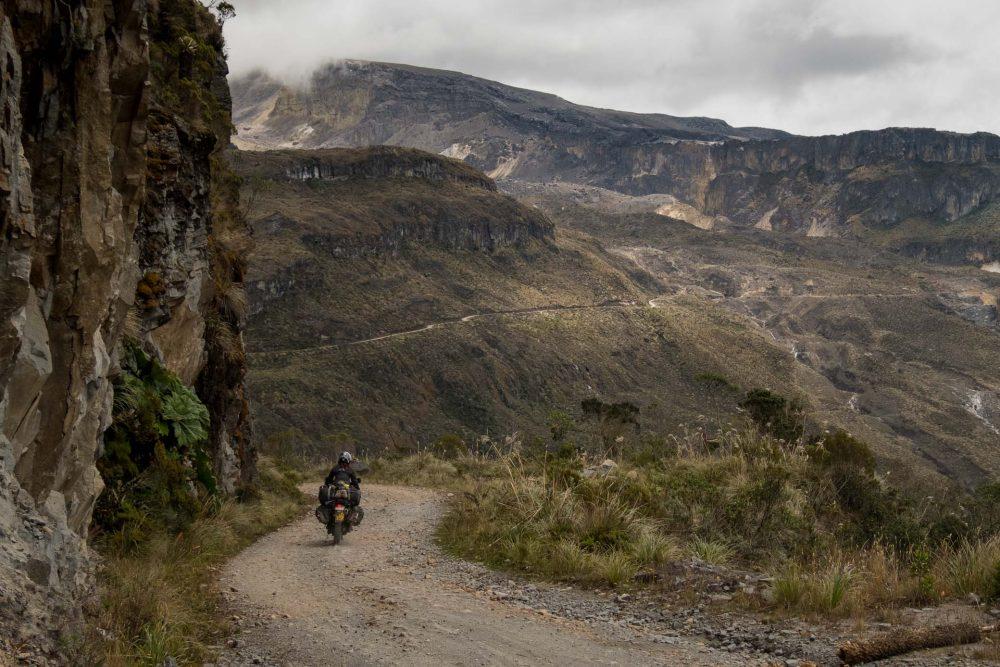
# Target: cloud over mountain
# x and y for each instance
(808, 66)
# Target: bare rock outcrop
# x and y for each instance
(72, 179)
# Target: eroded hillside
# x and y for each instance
(903, 344)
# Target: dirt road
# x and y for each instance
(389, 596)
(537, 310)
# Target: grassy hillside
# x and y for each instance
(499, 374)
(902, 344)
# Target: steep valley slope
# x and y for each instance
(904, 344)
(502, 288)
(391, 339)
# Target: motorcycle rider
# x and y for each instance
(343, 471)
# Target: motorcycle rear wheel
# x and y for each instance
(338, 532)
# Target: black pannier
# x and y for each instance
(323, 515)
(326, 493)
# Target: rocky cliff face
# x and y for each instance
(377, 162)
(391, 197)
(88, 210)
(191, 236)
(828, 186)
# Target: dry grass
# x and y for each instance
(233, 301)
(160, 602)
(713, 553)
(517, 520)
(858, 582)
(971, 567)
(429, 471)
(751, 502)
(132, 326)
(841, 586)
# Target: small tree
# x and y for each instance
(560, 425)
(841, 449)
(252, 190)
(774, 415)
(449, 446)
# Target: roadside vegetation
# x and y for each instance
(158, 599)
(162, 527)
(598, 502)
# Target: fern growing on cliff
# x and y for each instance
(155, 465)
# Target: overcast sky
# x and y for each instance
(807, 66)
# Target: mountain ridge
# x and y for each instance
(859, 184)
(414, 83)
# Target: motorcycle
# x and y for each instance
(336, 511)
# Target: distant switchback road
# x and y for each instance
(456, 320)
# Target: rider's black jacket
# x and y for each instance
(344, 474)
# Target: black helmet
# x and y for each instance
(345, 458)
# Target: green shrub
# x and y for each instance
(564, 466)
(449, 446)
(716, 381)
(775, 415)
(560, 425)
(840, 449)
(613, 419)
(984, 509)
(877, 513)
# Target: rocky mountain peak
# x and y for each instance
(353, 103)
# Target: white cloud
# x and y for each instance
(807, 66)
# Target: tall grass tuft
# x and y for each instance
(713, 553)
(972, 568)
